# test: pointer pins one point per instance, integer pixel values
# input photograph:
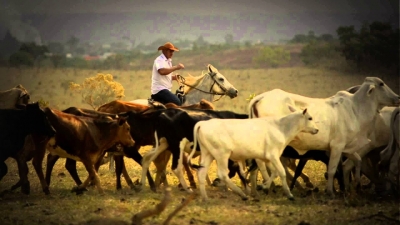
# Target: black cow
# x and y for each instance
(174, 125)
(16, 125)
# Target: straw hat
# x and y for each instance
(169, 46)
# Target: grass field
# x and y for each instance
(224, 207)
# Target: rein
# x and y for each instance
(181, 82)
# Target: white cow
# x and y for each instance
(344, 120)
(379, 133)
(241, 139)
(390, 156)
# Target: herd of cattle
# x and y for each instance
(354, 131)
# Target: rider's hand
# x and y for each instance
(180, 66)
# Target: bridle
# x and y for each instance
(181, 82)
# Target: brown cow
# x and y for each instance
(83, 139)
(162, 160)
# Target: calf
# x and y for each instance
(16, 125)
(83, 139)
(229, 139)
(174, 125)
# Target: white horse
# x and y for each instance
(205, 86)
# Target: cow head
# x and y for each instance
(37, 120)
(308, 125)
(24, 96)
(123, 132)
(379, 92)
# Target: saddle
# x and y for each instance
(179, 93)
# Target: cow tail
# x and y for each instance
(253, 113)
(156, 139)
(195, 131)
(387, 153)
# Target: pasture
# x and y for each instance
(224, 207)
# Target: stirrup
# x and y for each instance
(151, 101)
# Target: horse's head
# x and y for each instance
(222, 86)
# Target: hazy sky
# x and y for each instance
(203, 6)
(246, 19)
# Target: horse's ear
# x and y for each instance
(212, 69)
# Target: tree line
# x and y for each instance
(374, 46)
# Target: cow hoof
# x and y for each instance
(291, 198)
(154, 189)
(46, 191)
(137, 187)
(217, 182)
(309, 185)
(316, 190)
(26, 188)
(330, 194)
(78, 190)
(266, 190)
(245, 198)
(259, 188)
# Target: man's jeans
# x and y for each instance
(165, 96)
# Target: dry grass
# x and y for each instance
(224, 207)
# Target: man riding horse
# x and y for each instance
(162, 77)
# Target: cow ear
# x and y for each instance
(121, 120)
(291, 108)
(370, 89)
(20, 106)
(305, 110)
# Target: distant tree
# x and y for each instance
(229, 39)
(247, 44)
(299, 38)
(374, 45)
(21, 58)
(56, 48)
(326, 37)
(273, 56)
(316, 52)
(57, 60)
(34, 50)
(72, 44)
(200, 42)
